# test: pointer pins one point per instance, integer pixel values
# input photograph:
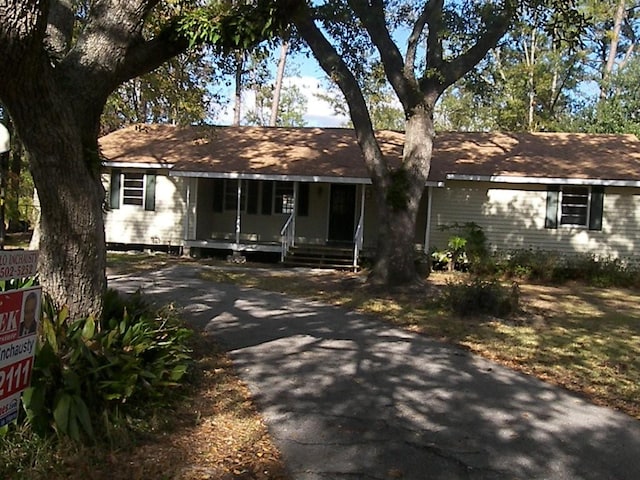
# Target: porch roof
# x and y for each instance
(271, 152)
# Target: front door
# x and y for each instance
(342, 211)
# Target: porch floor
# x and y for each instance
(242, 246)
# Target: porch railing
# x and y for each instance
(287, 234)
(358, 240)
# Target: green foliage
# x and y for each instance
(291, 108)
(482, 297)
(553, 267)
(87, 371)
(618, 111)
(178, 92)
(21, 450)
(238, 25)
(466, 248)
(17, 283)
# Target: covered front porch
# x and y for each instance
(282, 215)
(274, 214)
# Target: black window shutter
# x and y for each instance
(267, 197)
(595, 209)
(218, 194)
(303, 199)
(114, 189)
(150, 192)
(551, 217)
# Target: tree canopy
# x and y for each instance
(61, 61)
(424, 47)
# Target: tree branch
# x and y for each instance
(414, 38)
(371, 14)
(337, 70)
(60, 28)
(434, 39)
(143, 57)
(452, 71)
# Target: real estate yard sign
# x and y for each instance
(19, 314)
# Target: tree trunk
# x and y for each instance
(395, 256)
(398, 200)
(237, 103)
(71, 230)
(61, 140)
(13, 198)
(275, 104)
(613, 47)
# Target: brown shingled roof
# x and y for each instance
(333, 152)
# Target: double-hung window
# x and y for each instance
(133, 189)
(284, 198)
(575, 206)
(137, 189)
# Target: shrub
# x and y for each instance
(466, 248)
(87, 372)
(535, 265)
(482, 297)
(552, 267)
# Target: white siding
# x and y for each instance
(131, 224)
(512, 217)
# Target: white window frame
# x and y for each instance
(587, 207)
(287, 205)
(123, 188)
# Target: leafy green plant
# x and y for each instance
(127, 362)
(482, 297)
(466, 248)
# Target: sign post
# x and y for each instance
(19, 314)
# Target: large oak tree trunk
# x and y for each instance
(72, 242)
(54, 91)
(398, 200)
(395, 256)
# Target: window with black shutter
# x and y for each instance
(575, 206)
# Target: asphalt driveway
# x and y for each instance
(349, 397)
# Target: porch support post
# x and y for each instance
(362, 199)
(359, 237)
(187, 212)
(238, 214)
(427, 233)
(295, 211)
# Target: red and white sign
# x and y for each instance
(19, 314)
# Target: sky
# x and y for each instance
(311, 80)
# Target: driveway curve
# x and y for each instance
(349, 397)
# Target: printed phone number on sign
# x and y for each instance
(15, 377)
(17, 270)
